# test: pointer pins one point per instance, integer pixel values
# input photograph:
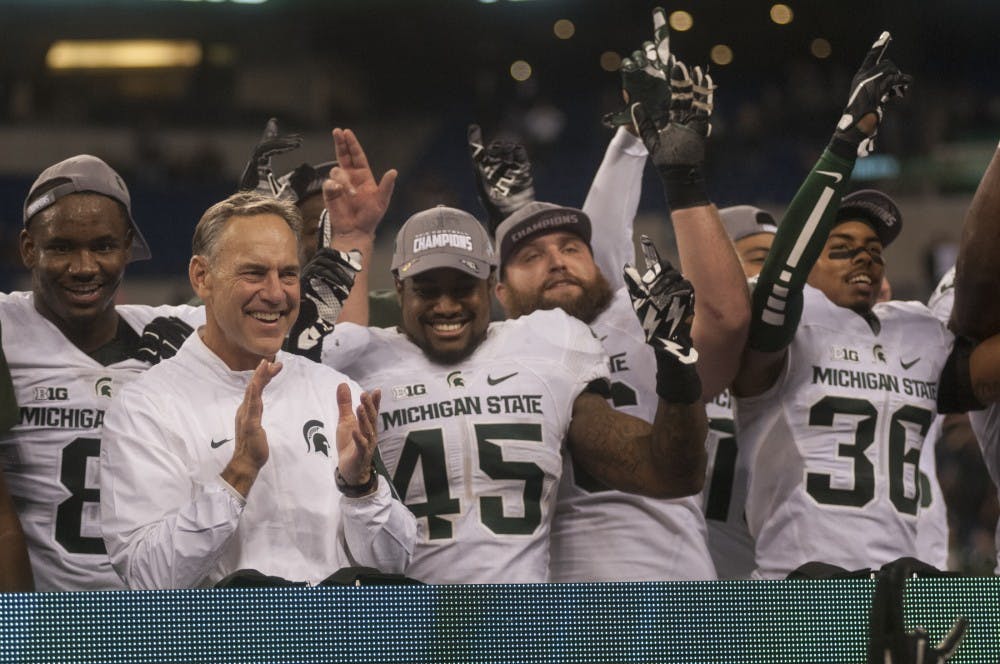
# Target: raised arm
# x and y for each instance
(666, 459)
(675, 138)
(977, 278)
(355, 203)
(777, 298)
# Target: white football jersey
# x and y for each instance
(724, 497)
(50, 457)
(834, 446)
(932, 521)
(604, 535)
(985, 423)
(475, 448)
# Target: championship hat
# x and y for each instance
(874, 208)
(742, 221)
(537, 218)
(83, 173)
(443, 237)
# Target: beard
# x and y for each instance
(594, 299)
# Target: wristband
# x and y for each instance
(356, 490)
(676, 382)
(684, 186)
(845, 143)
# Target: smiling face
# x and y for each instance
(250, 286)
(553, 270)
(850, 269)
(77, 249)
(445, 311)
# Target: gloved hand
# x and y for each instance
(325, 283)
(257, 175)
(678, 148)
(161, 338)
(877, 81)
(663, 300)
(644, 77)
(503, 176)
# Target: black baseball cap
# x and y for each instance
(875, 209)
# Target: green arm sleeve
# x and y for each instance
(777, 299)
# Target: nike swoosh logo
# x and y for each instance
(837, 177)
(496, 381)
(907, 365)
(220, 443)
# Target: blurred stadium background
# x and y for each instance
(174, 94)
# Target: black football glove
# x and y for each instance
(257, 175)
(877, 81)
(326, 282)
(503, 176)
(663, 300)
(161, 338)
(644, 77)
(678, 148)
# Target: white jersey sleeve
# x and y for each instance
(943, 298)
(986, 425)
(612, 203)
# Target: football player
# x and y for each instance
(70, 349)
(477, 417)
(549, 258)
(836, 393)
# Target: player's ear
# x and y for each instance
(502, 294)
(399, 290)
(29, 250)
(200, 276)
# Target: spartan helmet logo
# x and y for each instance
(316, 441)
(879, 353)
(102, 387)
(455, 379)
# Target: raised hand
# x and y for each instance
(503, 176)
(356, 435)
(354, 201)
(664, 302)
(161, 338)
(876, 82)
(326, 282)
(257, 174)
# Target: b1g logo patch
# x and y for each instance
(51, 394)
(401, 392)
(844, 354)
(102, 387)
(315, 437)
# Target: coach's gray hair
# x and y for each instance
(242, 204)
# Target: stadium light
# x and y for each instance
(123, 54)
